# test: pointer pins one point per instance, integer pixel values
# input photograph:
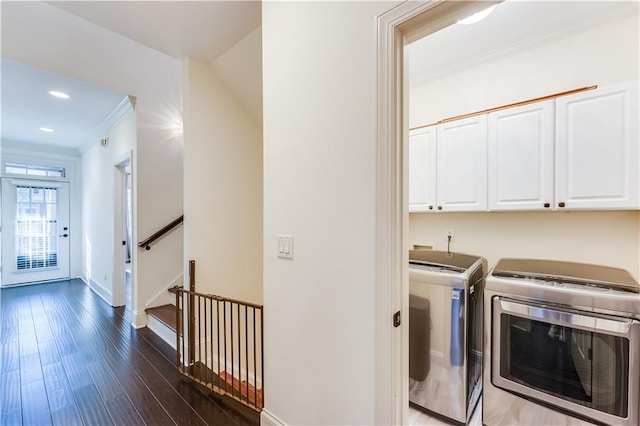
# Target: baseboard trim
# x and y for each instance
(268, 419)
(139, 319)
(98, 289)
(39, 282)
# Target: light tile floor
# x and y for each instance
(422, 418)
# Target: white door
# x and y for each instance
(521, 157)
(35, 231)
(462, 165)
(422, 169)
(597, 149)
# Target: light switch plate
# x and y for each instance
(285, 246)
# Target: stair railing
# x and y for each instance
(222, 349)
(146, 243)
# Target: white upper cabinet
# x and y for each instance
(577, 152)
(521, 157)
(462, 165)
(422, 169)
(597, 155)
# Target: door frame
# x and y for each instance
(32, 154)
(120, 232)
(405, 23)
(63, 196)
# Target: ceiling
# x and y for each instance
(204, 30)
(27, 106)
(199, 29)
(513, 24)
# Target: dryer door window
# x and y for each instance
(572, 360)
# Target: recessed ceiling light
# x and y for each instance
(477, 17)
(46, 130)
(57, 94)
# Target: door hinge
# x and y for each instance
(396, 319)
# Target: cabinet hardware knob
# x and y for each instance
(547, 205)
(439, 207)
(430, 207)
(561, 204)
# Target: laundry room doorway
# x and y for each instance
(400, 26)
(516, 66)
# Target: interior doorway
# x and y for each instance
(128, 234)
(123, 235)
(504, 76)
(400, 26)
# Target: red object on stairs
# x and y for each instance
(242, 386)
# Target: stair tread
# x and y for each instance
(229, 384)
(166, 314)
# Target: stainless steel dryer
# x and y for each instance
(445, 332)
(562, 344)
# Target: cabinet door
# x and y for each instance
(462, 165)
(597, 156)
(521, 157)
(422, 169)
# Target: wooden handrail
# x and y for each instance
(178, 289)
(146, 243)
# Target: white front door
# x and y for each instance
(35, 231)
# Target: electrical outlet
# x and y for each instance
(451, 234)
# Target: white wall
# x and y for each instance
(602, 55)
(158, 196)
(223, 188)
(240, 69)
(319, 76)
(98, 203)
(43, 36)
(606, 238)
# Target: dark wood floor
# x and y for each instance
(68, 358)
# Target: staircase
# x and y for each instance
(162, 321)
(225, 384)
(218, 341)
